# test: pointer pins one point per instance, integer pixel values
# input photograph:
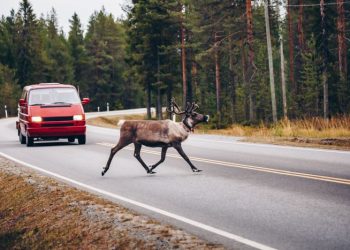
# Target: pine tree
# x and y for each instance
(58, 54)
(10, 91)
(105, 44)
(309, 81)
(77, 50)
(28, 43)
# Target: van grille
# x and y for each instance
(57, 125)
(57, 118)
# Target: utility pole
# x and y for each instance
(269, 52)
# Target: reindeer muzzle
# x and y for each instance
(206, 118)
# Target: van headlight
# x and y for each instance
(78, 117)
(37, 119)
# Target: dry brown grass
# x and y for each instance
(112, 121)
(316, 127)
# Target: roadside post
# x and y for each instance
(5, 111)
(107, 106)
(98, 109)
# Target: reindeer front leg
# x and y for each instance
(121, 144)
(179, 149)
(164, 149)
(138, 157)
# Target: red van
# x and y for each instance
(50, 111)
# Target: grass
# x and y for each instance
(316, 127)
(112, 121)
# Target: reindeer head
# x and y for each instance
(191, 118)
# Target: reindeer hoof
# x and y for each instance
(151, 172)
(103, 171)
(196, 170)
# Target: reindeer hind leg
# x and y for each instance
(182, 153)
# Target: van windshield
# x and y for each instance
(52, 96)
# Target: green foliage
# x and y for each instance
(309, 101)
(137, 61)
(10, 91)
(103, 79)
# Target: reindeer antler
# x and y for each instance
(195, 106)
(174, 106)
(190, 107)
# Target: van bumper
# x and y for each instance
(56, 131)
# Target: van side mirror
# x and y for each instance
(22, 102)
(85, 101)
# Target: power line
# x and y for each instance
(310, 5)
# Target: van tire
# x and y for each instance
(22, 139)
(82, 139)
(30, 141)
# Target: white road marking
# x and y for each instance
(248, 144)
(148, 207)
(243, 166)
(272, 146)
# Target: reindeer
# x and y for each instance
(164, 134)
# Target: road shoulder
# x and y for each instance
(39, 212)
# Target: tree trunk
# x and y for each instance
(232, 83)
(269, 54)
(251, 65)
(244, 79)
(324, 63)
(291, 49)
(149, 115)
(342, 60)
(300, 25)
(159, 105)
(217, 79)
(194, 77)
(183, 60)
(283, 81)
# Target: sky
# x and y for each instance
(66, 8)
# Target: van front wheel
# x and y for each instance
(82, 139)
(30, 141)
(22, 139)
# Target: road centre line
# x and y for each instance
(248, 167)
(145, 206)
(243, 143)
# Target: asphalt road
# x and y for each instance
(248, 195)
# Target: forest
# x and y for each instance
(242, 61)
